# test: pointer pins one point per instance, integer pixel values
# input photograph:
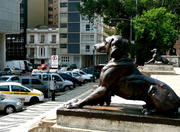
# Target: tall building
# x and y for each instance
(15, 43)
(53, 12)
(9, 23)
(37, 13)
(78, 36)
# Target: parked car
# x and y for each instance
(87, 77)
(75, 75)
(75, 81)
(82, 78)
(12, 71)
(9, 78)
(34, 82)
(93, 71)
(16, 90)
(8, 105)
(60, 82)
(23, 65)
(42, 67)
(62, 69)
(7, 71)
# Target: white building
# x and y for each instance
(9, 23)
(78, 36)
(42, 42)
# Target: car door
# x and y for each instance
(59, 81)
(5, 90)
(20, 92)
(37, 84)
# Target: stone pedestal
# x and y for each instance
(174, 59)
(160, 69)
(126, 118)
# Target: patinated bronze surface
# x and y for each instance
(122, 78)
(157, 58)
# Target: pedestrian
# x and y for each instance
(53, 88)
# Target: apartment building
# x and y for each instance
(9, 23)
(15, 43)
(78, 36)
(53, 12)
(42, 43)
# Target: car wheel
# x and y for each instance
(34, 100)
(67, 87)
(85, 81)
(9, 109)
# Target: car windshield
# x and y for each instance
(75, 74)
(82, 73)
(3, 78)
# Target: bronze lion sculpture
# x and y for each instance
(122, 78)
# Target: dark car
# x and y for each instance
(75, 81)
(91, 70)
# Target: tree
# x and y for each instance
(113, 10)
(154, 29)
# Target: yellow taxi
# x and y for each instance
(18, 91)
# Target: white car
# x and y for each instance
(82, 78)
(18, 91)
(89, 77)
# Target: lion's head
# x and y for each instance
(114, 45)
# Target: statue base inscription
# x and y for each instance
(157, 69)
(114, 118)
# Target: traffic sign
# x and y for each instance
(54, 61)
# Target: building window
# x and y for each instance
(53, 51)
(63, 35)
(87, 48)
(31, 52)
(50, 1)
(62, 5)
(63, 25)
(87, 27)
(31, 38)
(87, 38)
(63, 15)
(63, 45)
(53, 38)
(65, 59)
(42, 52)
(42, 39)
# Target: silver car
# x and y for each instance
(9, 78)
(9, 106)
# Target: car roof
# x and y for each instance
(10, 83)
(28, 77)
(9, 76)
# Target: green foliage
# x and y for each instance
(155, 29)
(160, 31)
